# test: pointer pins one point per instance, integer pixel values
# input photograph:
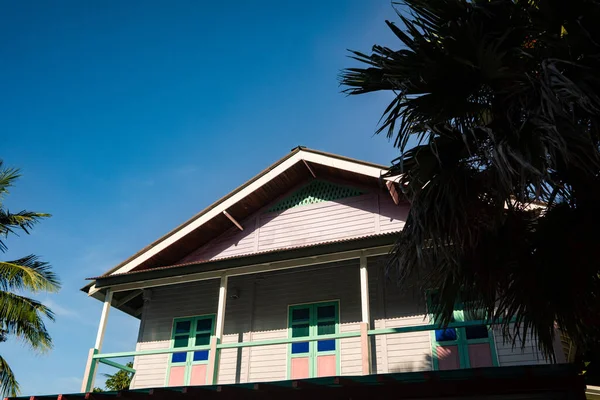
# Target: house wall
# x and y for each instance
(261, 312)
(351, 217)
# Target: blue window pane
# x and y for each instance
(183, 326)
(326, 345)
(298, 348)
(476, 332)
(300, 314)
(178, 357)
(445, 335)
(201, 355)
(204, 325)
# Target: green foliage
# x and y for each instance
(119, 380)
(502, 98)
(20, 316)
(97, 390)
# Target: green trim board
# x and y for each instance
(117, 365)
(318, 325)
(92, 371)
(458, 335)
(190, 343)
(371, 332)
(316, 191)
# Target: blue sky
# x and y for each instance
(127, 118)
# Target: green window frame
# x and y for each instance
(306, 320)
(200, 330)
(461, 341)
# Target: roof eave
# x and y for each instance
(224, 264)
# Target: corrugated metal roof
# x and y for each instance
(216, 203)
(284, 249)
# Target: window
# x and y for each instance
(313, 357)
(468, 347)
(189, 368)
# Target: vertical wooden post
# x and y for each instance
(92, 365)
(213, 355)
(103, 320)
(366, 316)
(90, 372)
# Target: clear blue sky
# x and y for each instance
(128, 117)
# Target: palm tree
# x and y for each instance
(21, 317)
(120, 380)
(502, 98)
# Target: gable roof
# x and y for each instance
(299, 166)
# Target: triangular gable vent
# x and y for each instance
(316, 192)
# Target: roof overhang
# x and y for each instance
(299, 166)
(375, 245)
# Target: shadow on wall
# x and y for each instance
(425, 365)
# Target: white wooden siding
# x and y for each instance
(509, 355)
(261, 313)
(305, 225)
(151, 370)
(391, 216)
(350, 351)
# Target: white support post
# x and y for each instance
(364, 290)
(366, 316)
(92, 365)
(103, 320)
(213, 357)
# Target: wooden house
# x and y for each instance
(284, 279)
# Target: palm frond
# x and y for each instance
(28, 273)
(10, 223)
(7, 178)
(8, 383)
(23, 317)
(502, 99)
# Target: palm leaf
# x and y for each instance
(28, 273)
(23, 318)
(8, 383)
(502, 100)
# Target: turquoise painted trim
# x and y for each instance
(371, 332)
(150, 352)
(316, 191)
(117, 365)
(91, 372)
(189, 357)
(313, 337)
(286, 341)
(461, 342)
(420, 328)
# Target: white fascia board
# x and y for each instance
(255, 268)
(346, 165)
(209, 215)
(301, 155)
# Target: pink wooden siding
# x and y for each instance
(391, 216)
(299, 368)
(177, 376)
(326, 365)
(448, 357)
(310, 224)
(480, 355)
(198, 375)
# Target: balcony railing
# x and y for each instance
(105, 358)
